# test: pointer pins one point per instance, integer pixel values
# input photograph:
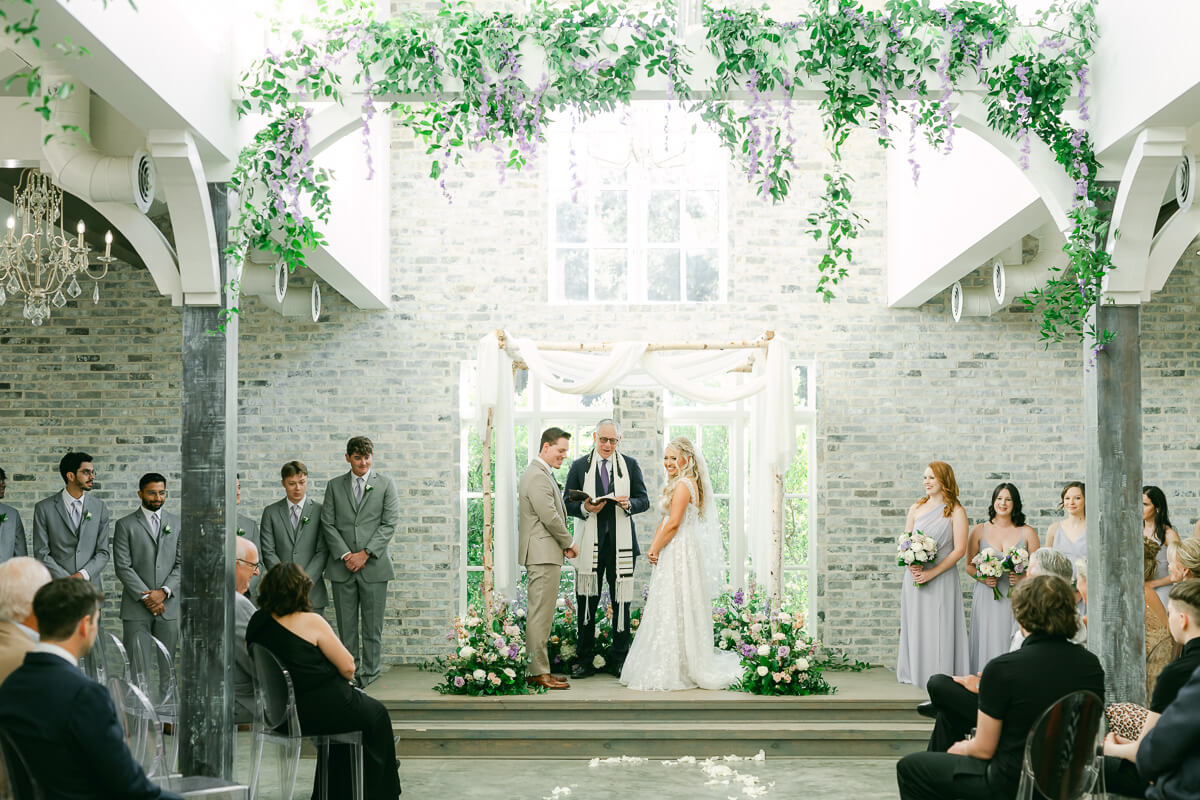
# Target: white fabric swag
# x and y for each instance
(630, 366)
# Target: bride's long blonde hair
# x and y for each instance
(686, 467)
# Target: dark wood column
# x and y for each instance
(209, 448)
(1113, 451)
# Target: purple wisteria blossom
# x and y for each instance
(1081, 76)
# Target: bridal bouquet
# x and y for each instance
(915, 548)
(989, 564)
(1016, 561)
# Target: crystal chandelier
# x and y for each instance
(37, 260)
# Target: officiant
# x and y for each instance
(605, 539)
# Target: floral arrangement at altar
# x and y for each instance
(488, 659)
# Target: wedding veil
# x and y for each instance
(708, 534)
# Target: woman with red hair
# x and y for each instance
(933, 630)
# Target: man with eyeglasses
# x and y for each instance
(12, 530)
(148, 560)
(246, 567)
(70, 528)
(606, 541)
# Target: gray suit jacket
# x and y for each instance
(245, 523)
(543, 518)
(65, 550)
(243, 670)
(143, 564)
(12, 533)
(368, 527)
(304, 546)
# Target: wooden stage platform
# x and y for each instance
(869, 716)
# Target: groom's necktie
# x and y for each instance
(604, 480)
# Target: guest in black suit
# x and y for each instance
(1183, 615)
(1014, 690)
(63, 722)
(606, 541)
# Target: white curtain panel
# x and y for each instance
(629, 365)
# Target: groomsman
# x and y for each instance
(246, 526)
(70, 528)
(12, 531)
(607, 541)
(148, 560)
(291, 531)
(358, 519)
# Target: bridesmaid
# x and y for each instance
(933, 633)
(1156, 527)
(1069, 535)
(992, 619)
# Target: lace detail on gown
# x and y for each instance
(673, 647)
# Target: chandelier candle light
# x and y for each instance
(39, 261)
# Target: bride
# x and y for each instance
(673, 648)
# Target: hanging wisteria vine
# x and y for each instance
(492, 81)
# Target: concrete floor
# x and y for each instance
(443, 779)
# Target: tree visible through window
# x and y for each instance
(637, 209)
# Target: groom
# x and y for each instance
(607, 542)
(544, 540)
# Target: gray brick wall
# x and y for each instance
(895, 388)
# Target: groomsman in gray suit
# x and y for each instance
(246, 526)
(12, 531)
(148, 560)
(70, 528)
(291, 531)
(358, 519)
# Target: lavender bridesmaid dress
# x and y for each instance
(933, 631)
(991, 619)
(1074, 550)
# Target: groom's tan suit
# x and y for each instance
(543, 538)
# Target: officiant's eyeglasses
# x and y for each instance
(608, 440)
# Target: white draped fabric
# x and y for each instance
(630, 366)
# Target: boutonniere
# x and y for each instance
(241, 532)
(304, 521)
(369, 487)
(167, 530)
(3, 518)
(87, 515)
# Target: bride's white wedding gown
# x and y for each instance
(673, 647)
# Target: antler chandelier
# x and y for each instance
(37, 260)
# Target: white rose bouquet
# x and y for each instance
(989, 564)
(915, 549)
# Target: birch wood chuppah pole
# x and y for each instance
(775, 564)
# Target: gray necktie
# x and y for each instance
(76, 512)
(154, 525)
(295, 516)
(358, 490)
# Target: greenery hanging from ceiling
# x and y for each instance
(464, 80)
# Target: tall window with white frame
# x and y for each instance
(536, 407)
(637, 209)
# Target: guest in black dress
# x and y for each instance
(321, 669)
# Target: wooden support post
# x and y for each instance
(488, 558)
(775, 587)
(209, 450)
(1113, 451)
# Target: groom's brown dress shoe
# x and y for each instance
(547, 681)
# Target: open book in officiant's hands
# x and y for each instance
(580, 496)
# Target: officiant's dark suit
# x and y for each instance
(606, 564)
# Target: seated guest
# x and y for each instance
(954, 700)
(1183, 612)
(12, 530)
(245, 568)
(322, 669)
(20, 578)
(1014, 690)
(64, 722)
(247, 527)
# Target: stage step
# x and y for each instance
(870, 716)
(576, 739)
